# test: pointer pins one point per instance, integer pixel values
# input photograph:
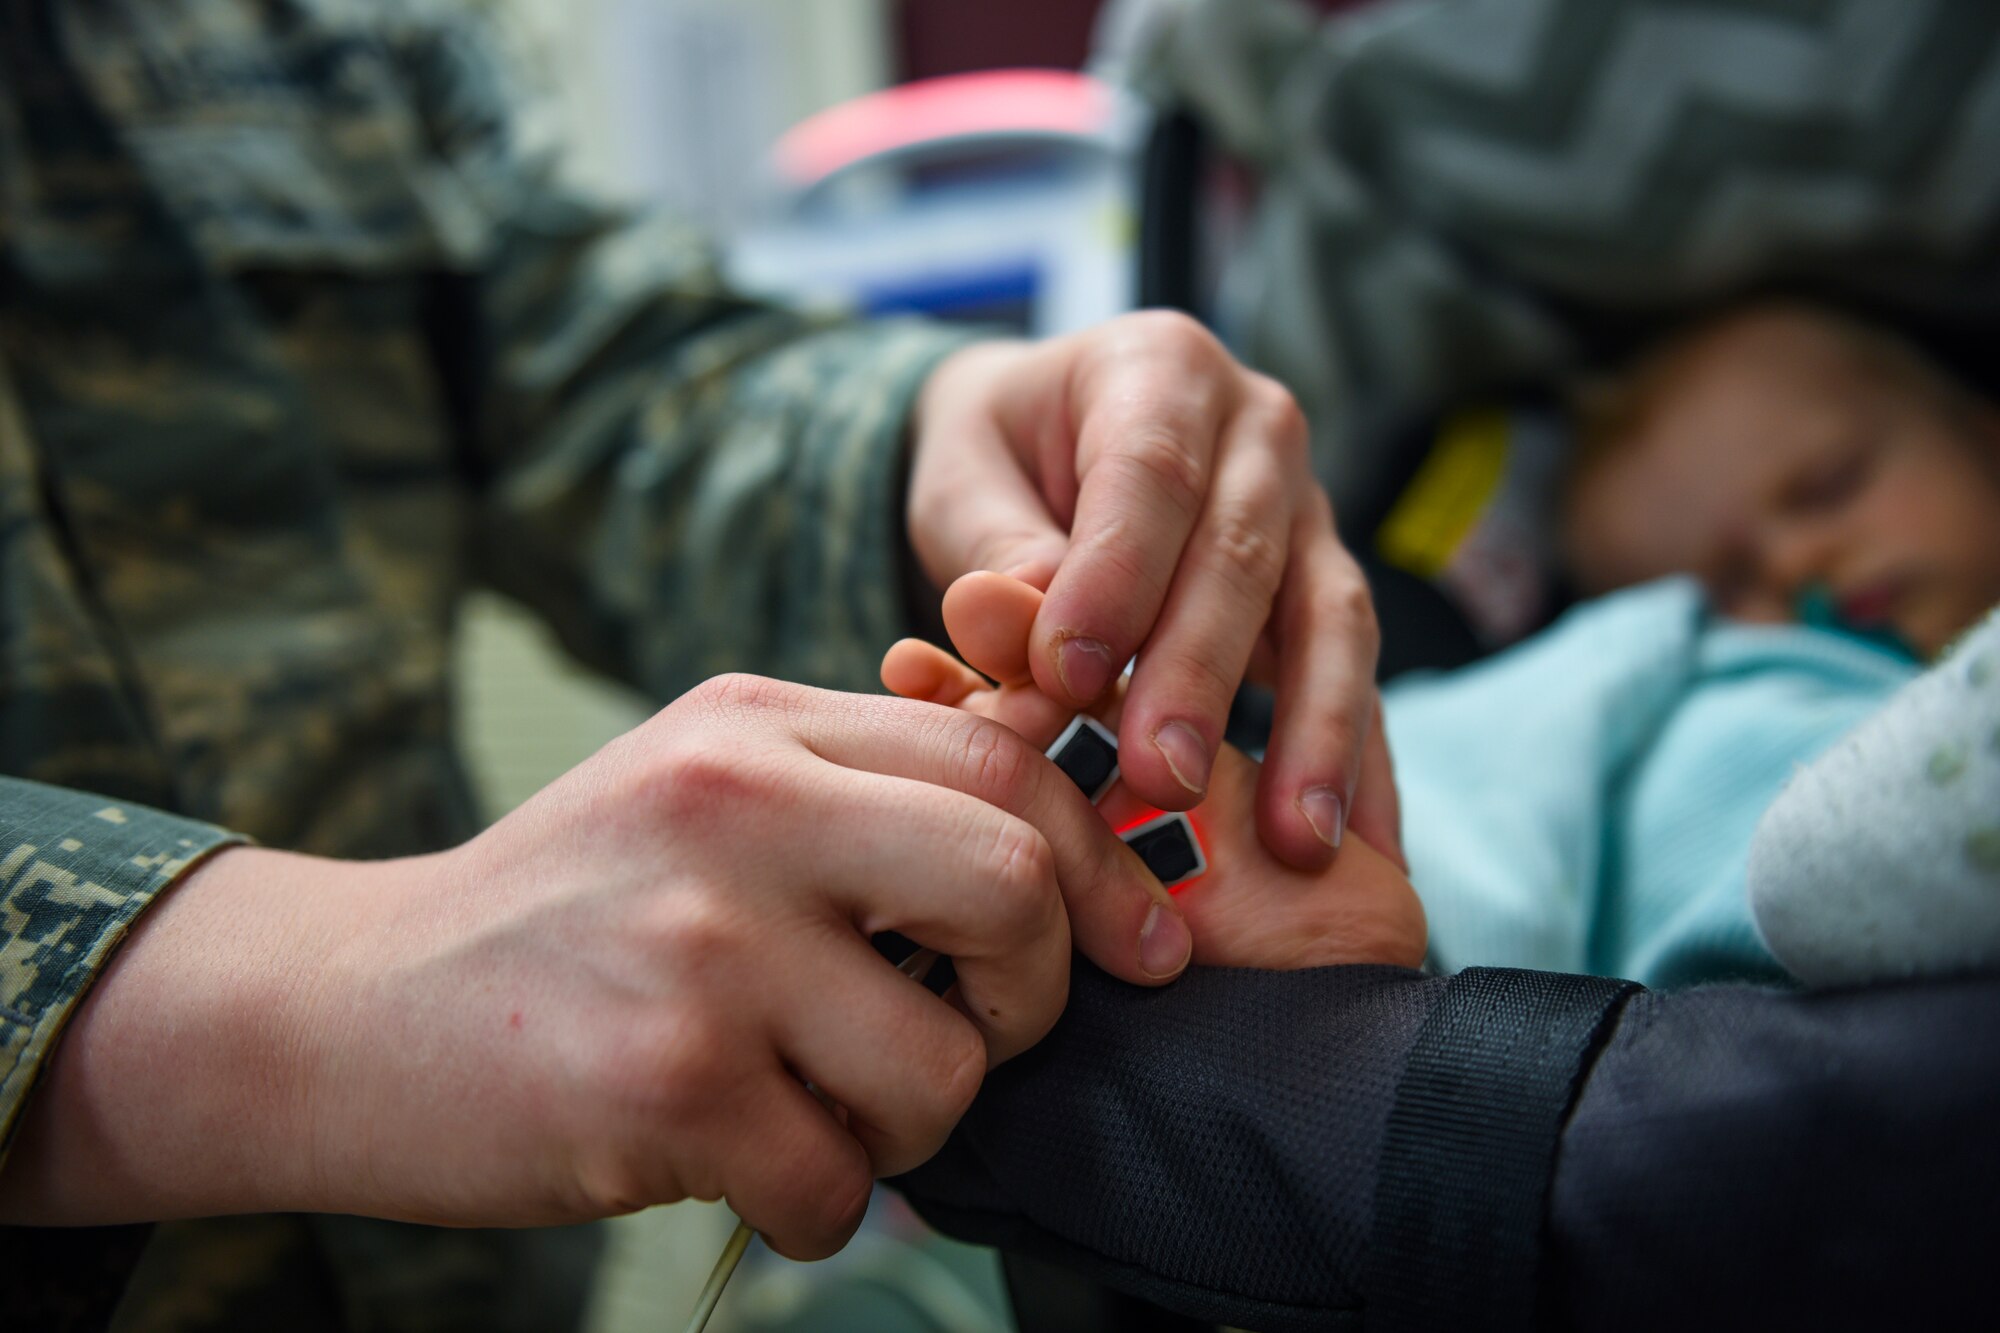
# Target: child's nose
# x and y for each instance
(1799, 554)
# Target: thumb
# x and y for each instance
(973, 507)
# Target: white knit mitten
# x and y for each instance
(1881, 858)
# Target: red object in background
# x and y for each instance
(997, 102)
(953, 36)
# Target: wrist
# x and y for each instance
(192, 1080)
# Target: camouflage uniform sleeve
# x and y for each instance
(681, 480)
(75, 870)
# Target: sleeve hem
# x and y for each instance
(76, 871)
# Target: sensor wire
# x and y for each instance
(916, 967)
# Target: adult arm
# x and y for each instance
(75, 872)
(614, 997)
(681, 480)
(1314, 1150)
(684, 481)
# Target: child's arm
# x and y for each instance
(1506, 1149)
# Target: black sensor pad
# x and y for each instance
(1169, 848)
(1088, 755)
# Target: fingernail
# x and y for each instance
(1185, 754)
(1085, 666)
(1164, 942)
(1323, 810)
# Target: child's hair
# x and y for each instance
(1609, 411)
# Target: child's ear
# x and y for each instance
(989, 617)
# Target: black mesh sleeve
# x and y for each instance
(1367, 1146)
(1754, 1158)
(1218, 1146)
(1209, 1145)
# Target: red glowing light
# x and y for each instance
(1136, 820)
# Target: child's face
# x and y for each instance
(1781, 455)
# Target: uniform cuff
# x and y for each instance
(75, 871)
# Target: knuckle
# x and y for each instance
(1043, 1021)
(700, 937)
(735, 693)
(1358, 614)
(1201, 678)
(1160, 459)
(1342, 605)
(805, 1209)
(1342, 740)
(1116, 557)
(1247, 549)
(813, 1187)
(1176, 333)
(1318, 507)
(1023, 878)
(838, 1208)
(700, 783)
(1274, 396)
(992, 762)
(1283, 416)
(962, 1070)
(1346, 599)
(662, 1076)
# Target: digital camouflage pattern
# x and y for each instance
(75, 871)
(300, 338)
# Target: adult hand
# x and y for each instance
(1162, 495)
(612, 998)
(1248, 909)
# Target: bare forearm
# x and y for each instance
(183, 1086)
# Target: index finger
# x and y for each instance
(1151, 411)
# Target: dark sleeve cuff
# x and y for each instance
(846, 591)
(1209, 1146)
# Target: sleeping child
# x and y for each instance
(1787, 457)
(1587, 800)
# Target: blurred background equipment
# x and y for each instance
(1000, 198)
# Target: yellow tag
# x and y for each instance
(1441, 507)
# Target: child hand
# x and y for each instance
(1250, 909)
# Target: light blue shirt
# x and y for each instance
(1585, 802)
